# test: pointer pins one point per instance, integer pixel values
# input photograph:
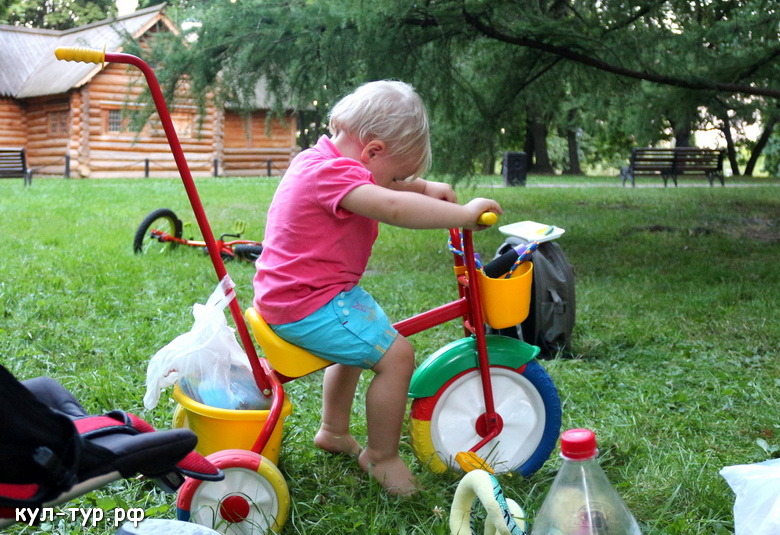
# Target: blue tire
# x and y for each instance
(538, 376)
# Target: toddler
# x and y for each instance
(321, 226)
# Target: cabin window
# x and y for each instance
(114, 120)
(58, 123)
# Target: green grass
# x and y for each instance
(677, 366)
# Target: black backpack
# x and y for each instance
(551, 317)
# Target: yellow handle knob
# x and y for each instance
(87, 55)
(488, 218)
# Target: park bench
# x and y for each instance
(669, 163)
(13, 164)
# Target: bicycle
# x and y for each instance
(162, 230)
(481, 401)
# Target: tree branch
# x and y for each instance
(599, 64)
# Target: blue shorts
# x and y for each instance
(351, 329)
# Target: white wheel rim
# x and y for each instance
(517, 401)
(250, 485)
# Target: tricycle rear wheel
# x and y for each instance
(253, 497)
(247, 251)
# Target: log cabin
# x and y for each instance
(72, 118)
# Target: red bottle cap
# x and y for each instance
(578, 444)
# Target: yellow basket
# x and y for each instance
(506, 302)
(223, 429)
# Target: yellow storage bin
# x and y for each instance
(506, 302)
(223, 429)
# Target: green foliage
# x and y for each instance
(55, 14)
(677, 366)
(624, 75)
(772, 157)
(487, 68)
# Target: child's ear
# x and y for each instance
(372, 149)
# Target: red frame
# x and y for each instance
(265, 377)
(223, 245)
(468, 308)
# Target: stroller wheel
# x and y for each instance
(253, 497)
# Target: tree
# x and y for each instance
(479, 62)
(724, 53)
(55, 14)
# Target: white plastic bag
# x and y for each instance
(208, 361)
(757, 505)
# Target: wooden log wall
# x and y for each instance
(77, 124)
(124, 153)
(13, 124)
(48, 134)
(251, 149)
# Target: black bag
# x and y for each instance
(551, 317)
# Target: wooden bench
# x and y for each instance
(669, 163)
(13, 164)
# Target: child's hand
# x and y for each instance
(440, 190)
(476, 208)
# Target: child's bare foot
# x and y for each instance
(391, 473)
(329, 442)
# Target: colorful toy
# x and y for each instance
(504, 516)
(482, 401)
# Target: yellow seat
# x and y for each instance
(285, 358)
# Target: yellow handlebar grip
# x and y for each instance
(488, 218)
(87, 55)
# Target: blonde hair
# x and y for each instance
(391, 112)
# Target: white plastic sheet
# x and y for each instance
(208, 361)
(757, 504)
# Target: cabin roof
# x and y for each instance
(28, 67)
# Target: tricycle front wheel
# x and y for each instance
(526, 401)
(163, 220)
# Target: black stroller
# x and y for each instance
(51, 450)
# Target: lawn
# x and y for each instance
(676, 342)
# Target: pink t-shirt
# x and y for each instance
(312, 249)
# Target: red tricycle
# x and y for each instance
(481, 401)
(161, 230)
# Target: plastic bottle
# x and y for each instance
(581, 500)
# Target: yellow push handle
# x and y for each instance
(488, 218)
(87, 55)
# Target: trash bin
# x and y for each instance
(514, 168)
